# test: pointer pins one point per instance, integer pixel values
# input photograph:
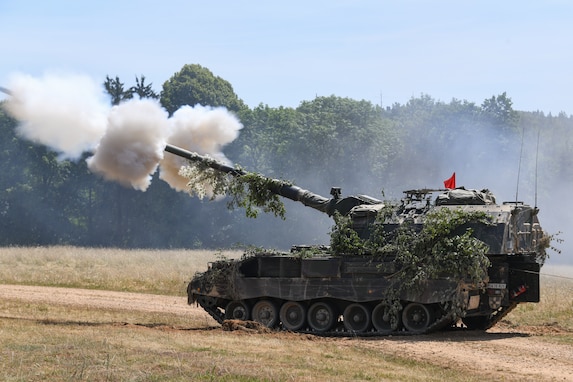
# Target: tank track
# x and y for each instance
(442, 322)
(213, 312)
(341, 331)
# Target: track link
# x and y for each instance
(499, 314)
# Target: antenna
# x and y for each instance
(519, 166)
(536, 160)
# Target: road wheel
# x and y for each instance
(293, 315)
(384, 320)
(266, 313)
(321, 317)
(417, 317)
(356, 318)
(237, 310)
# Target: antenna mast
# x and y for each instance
(536, 161)
(519, 166)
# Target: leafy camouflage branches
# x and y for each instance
(247, 190)
(444, 247)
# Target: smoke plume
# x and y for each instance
(133, 143)
(70, 114)
(66, 113)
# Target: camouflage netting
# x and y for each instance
(422, 253)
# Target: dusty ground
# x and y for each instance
(524, 353)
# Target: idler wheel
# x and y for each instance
(383, 320)
(237, 310)
(356, 318)
(321, 317)
(417, 317)
(266, 313)
(293, 315)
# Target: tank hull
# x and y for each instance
(350, 287)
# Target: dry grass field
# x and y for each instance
(142, 271)
(77, 314)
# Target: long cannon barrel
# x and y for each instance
(212, 163)
(279, 187)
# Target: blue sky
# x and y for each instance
(282, 53)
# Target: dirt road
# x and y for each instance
(520, 354)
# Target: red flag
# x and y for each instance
(451, 182)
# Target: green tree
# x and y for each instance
(438, 138)
(34, 203)
(115, 88)
(347, 141)
(499, 109)
(142, 90)
(193, 85)
(266, 140)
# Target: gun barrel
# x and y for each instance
(4, 90)
(194, 157)
(278, 187)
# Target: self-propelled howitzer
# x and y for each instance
(333, 292)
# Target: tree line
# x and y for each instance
(328, 141)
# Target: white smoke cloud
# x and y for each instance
(133, 144)
(65, 112)
(71, 115)
(200, 129)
